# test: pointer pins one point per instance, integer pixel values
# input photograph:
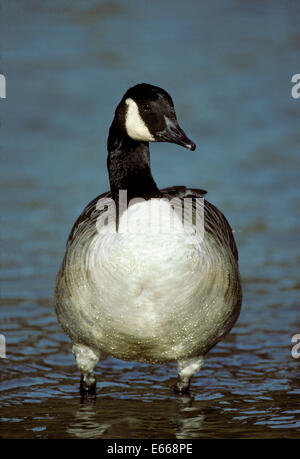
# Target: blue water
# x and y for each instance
(228, 66)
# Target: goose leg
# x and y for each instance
(186, 369)
(87, 360)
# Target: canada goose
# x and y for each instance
(148, 296)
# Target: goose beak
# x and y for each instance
(174, 134)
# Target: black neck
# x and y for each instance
(128, 166)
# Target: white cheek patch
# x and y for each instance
(135, 126)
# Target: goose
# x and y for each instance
(133, 286)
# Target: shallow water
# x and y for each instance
(228, 66)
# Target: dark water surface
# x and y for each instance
(228, 66)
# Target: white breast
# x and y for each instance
(147, 268)
(149, 293)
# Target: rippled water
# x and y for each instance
(228, 66)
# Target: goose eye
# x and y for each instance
(147, 107)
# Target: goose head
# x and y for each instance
(148, 115)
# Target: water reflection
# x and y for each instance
(85, 424)
(190, 421)
(180, 418)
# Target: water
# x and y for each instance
(228, 66)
